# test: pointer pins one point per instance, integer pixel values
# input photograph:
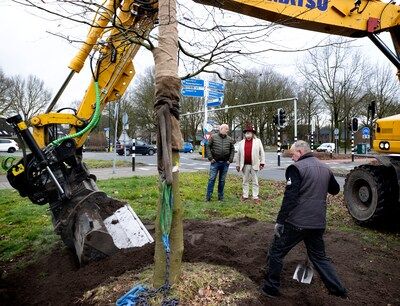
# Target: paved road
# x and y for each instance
(194, 162)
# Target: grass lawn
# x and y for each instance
(27, 227)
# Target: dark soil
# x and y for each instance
(371, 275)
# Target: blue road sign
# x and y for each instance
(191, 92)
(215, 95)
(215, 102)
(193, 82)
(365, 131)
(216, 86)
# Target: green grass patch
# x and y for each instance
(142, 194)
(27, 227)
(23, 226)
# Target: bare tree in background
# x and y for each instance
(6, 85)
(383, 88)
(28, 97)
(338, 77)
(308, 106)
(256, 86)
(141, 97)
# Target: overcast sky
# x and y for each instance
(27, 48)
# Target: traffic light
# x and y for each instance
(281, 117)
(354, 124)
(371, 112)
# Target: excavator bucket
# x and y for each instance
(100, 226)
(88, 221)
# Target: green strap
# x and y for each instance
(166, 208)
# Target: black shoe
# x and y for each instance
(342, 295)
(208, 199)
(271, 293)
(221, 199)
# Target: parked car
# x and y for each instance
(187, 147)
(140, 148)
(8, 145)
(326, 147)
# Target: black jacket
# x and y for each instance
(304, 201)
(220, 147)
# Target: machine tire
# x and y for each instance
(150, 152)
(11, 150)
(367, 193)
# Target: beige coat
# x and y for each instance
(257, 154)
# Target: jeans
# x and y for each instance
(220, 167)
(313, 239)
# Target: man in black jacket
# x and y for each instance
(302, 217)
(220, 152)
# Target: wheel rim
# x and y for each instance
(363, 194)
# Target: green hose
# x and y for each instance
(92, 123)
(8, 163)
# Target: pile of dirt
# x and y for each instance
(371, 274)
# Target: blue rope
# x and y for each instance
(132, 296)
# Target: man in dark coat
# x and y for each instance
(220, 151)
(302, 217)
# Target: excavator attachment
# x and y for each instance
(88, 221)
(99, 232)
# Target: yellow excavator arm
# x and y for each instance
(116, 45)
(339, 17)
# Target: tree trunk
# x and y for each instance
(167, 93)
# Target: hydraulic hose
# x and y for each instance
(92, 123)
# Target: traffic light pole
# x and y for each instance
(352, 146)
(295, 118)
(279, 145)
(133, 153)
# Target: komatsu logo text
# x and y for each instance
(321, 5)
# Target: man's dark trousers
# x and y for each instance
(313, 239)
(220, 167)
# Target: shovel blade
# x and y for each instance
(303, 273)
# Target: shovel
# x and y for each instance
(304, 272)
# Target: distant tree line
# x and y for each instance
(334, 84)
(25, 96)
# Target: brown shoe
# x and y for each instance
(257, 201)
(243, 199)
